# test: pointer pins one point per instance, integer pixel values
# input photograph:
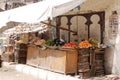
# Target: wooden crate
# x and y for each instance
(84, 73)
(22, 60)
(20, 53)
(99, 62)
(21, 46)
(84, 62)
(7, 56)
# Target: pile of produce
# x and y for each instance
(48, 42)
(85, 44)
(71, 44)
(55, 42)
(20, 41)
(59, 42)
(94, 42)
(38, 41)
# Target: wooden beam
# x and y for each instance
(74, 32)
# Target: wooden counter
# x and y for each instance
(62, 61)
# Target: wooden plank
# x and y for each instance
(33, 56)
(58, 61)
(42, 58)
(71, 61)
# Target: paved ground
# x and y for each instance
(10, 74)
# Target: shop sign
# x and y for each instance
(114, 22)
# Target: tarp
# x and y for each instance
(36, 12)
(25, 28)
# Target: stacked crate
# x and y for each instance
(84, 62)
(8, 55)
(99, 62)
(20, 53)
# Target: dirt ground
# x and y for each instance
(10, 74)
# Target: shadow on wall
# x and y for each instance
(109, 57)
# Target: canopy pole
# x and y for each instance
(74, 32)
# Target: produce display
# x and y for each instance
(57, 42)
(20, 41)
(38, 41)
(71, 44)
(48, 42)
(61, 43)
(94, 42)
(85, 44)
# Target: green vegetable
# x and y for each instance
(48, 42)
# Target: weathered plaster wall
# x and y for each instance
(2, 6)
(112, 58)
(78, 25)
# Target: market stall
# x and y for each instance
(85, 58)
(60, 55)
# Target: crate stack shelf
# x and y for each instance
(84, 62)
(99, 62)
(20, 53)
(91, 62)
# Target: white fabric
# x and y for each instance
(25, 28)
(61, 9)
(33, 13)
(4, 17)
(9, 31)
(40, 11)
